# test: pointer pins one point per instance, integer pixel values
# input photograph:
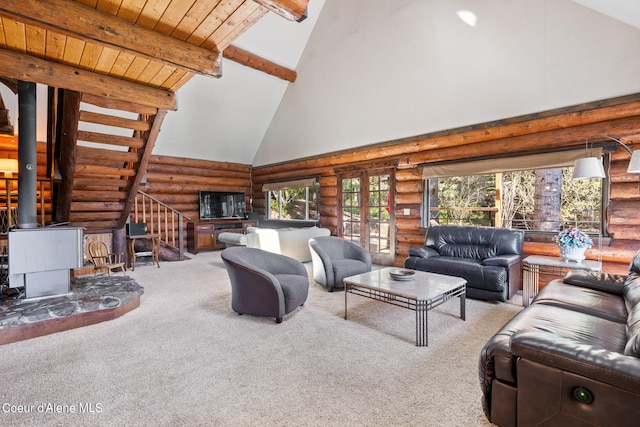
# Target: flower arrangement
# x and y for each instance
(573, 238)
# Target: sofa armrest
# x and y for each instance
(567, 355)
(423, 252)
(503, 260)
(612, 283)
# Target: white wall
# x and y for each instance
(375, 70)
(11, 103)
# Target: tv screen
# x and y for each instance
(222, 204)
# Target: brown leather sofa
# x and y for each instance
(570, 358)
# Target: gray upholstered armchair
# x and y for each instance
(335, 258)
(264, 283)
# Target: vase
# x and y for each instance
(572, 254)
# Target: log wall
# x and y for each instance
(551, 130)
(177, 181)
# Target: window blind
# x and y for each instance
(283, 185)
(550, 160)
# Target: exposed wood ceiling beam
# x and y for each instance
(90, 25)
(31, 69)
(251, 60)
(293, 10)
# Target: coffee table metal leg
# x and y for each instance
(346, 291)
(463, 298)
(421, 324)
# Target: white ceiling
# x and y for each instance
(627, 11)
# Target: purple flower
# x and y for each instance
(573, 238)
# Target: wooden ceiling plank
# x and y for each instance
(161, 76)
(36, 41)
(121, 64)
(90, 56)
(136, 68)
(293, 10)
(108, 6)
(3, 40)
(15, 35)
(131, 10)
(172, 16)
(150, 71)
(228, 27)
(28, 68)
(101, 28)
(105, 60)
(55, 46)
(152, 12)
(73, 51)
(173, 79)
(251, 19)
(180, 82)
(202, 35)
(195, 17)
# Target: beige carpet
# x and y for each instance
(184, 358)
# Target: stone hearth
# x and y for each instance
(92, 300)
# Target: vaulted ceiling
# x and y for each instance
(183, 54)
(134, 50)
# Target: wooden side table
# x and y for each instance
(154, 253)
(533, 265)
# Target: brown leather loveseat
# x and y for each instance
(570, 358)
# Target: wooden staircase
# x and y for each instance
(103, 149)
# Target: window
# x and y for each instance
(290, 202)
(536, 200)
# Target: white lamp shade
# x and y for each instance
(589, 167)
(8, 165)
(634, 163)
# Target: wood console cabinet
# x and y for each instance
(203, 235)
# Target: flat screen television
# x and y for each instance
(222, 204)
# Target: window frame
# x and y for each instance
(308, 193)
(533, 235)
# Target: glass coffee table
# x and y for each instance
(421, 292)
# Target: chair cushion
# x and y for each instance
(347, 267)
(295, 289)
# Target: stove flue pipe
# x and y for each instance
(27, 156)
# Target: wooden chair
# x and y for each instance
(103, 260)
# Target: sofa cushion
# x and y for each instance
(607, 282)
(576, 326)
(586, 300)
(295, 289)
(632, 291)
(476, 274)
(347, 267)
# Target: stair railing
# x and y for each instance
(160, 219)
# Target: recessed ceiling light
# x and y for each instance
(468, 17)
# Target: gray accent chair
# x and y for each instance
(264, 283)
(335, 258)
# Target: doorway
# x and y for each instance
(366, 198)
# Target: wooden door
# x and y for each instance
(366, 199)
